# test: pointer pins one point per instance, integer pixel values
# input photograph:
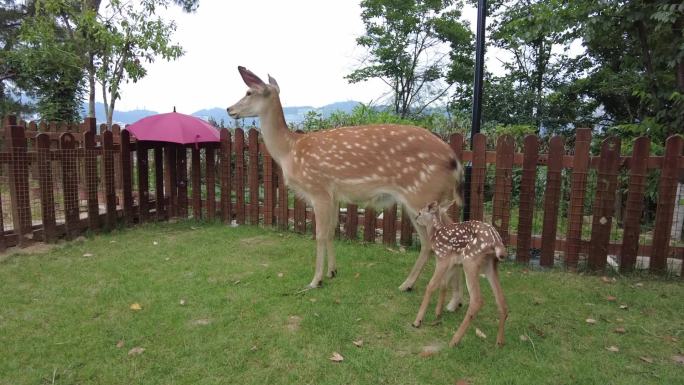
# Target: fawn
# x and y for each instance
(477, 247)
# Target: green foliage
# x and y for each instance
(436, 121)
(406, 43)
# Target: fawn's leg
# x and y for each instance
(425, 249)
(436, 280)
(472, 271)
(492, 274)
(457, 285)
(446, 282)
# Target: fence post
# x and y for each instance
(240, 175)
(580, 165)
(196, 184)
(47, 197)
(479, 151)
(108, 173)
(283, 202)
(160, 212)
(269, 189)
(667, 191)
(15, 141)
(116, 131)
(126, 176)
(638, 171)
(406, 232)
(527, 195)
(182, 174)
(299, 215)
(171, 182)
(389, 225)
(604, 207)
(210, 172)
(369, 223)
(143, 181)
(253, 176)
(503, 180)
(91, 179)
(225, 175)
(456, 144)
(69, 161)
(551, 200)
(352, 225)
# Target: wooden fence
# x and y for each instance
(61, 182)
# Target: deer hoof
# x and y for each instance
(416, 324)
(405, 288)
(453, 306)
(332, 273)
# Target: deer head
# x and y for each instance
(258, 97)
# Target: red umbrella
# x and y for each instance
(174, 127)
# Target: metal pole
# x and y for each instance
(477, 97)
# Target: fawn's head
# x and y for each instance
(258, 97)
(428, 214)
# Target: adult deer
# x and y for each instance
(366, 164)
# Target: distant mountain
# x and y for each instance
(293, 115)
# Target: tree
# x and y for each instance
(408, 45)
(634, 65)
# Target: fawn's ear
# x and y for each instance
(444, 207)
(433, 206)
(250, 78)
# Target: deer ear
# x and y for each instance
(249, 78)
(274, 83)
(432, 206)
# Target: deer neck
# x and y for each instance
(277, 137)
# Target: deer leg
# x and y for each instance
(492, 274)
(425, 249)
(332, 264)
(472, 271)
(322, 209)
(435, 282)
(457, 285)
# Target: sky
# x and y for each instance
(308, 46)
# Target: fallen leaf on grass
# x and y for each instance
(639, 284)
(155, 243)
(201, 322)
(670, 339)
(620, 330)
(337, 301)
(253, 348)
(336, 357)
(88, 255)
(605, 279)
(619, 320)
(646, 359)
(462, 382)
(429, 351)
(280, 275)
(613, 349)
(479, 333)
(678, 359)
(120, 344)
(590, 321)
(312, 300)
(611, 298)
(358, 343)
(357, 275)
(624, 307)
(182, 302)
(236, 282)
(135, 351)
(135, 306)
(524, 338)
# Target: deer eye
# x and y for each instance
(249, 93)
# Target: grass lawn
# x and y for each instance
(65, 317)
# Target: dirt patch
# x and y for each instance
(256, 241)
(36, 248)
(293, 323)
